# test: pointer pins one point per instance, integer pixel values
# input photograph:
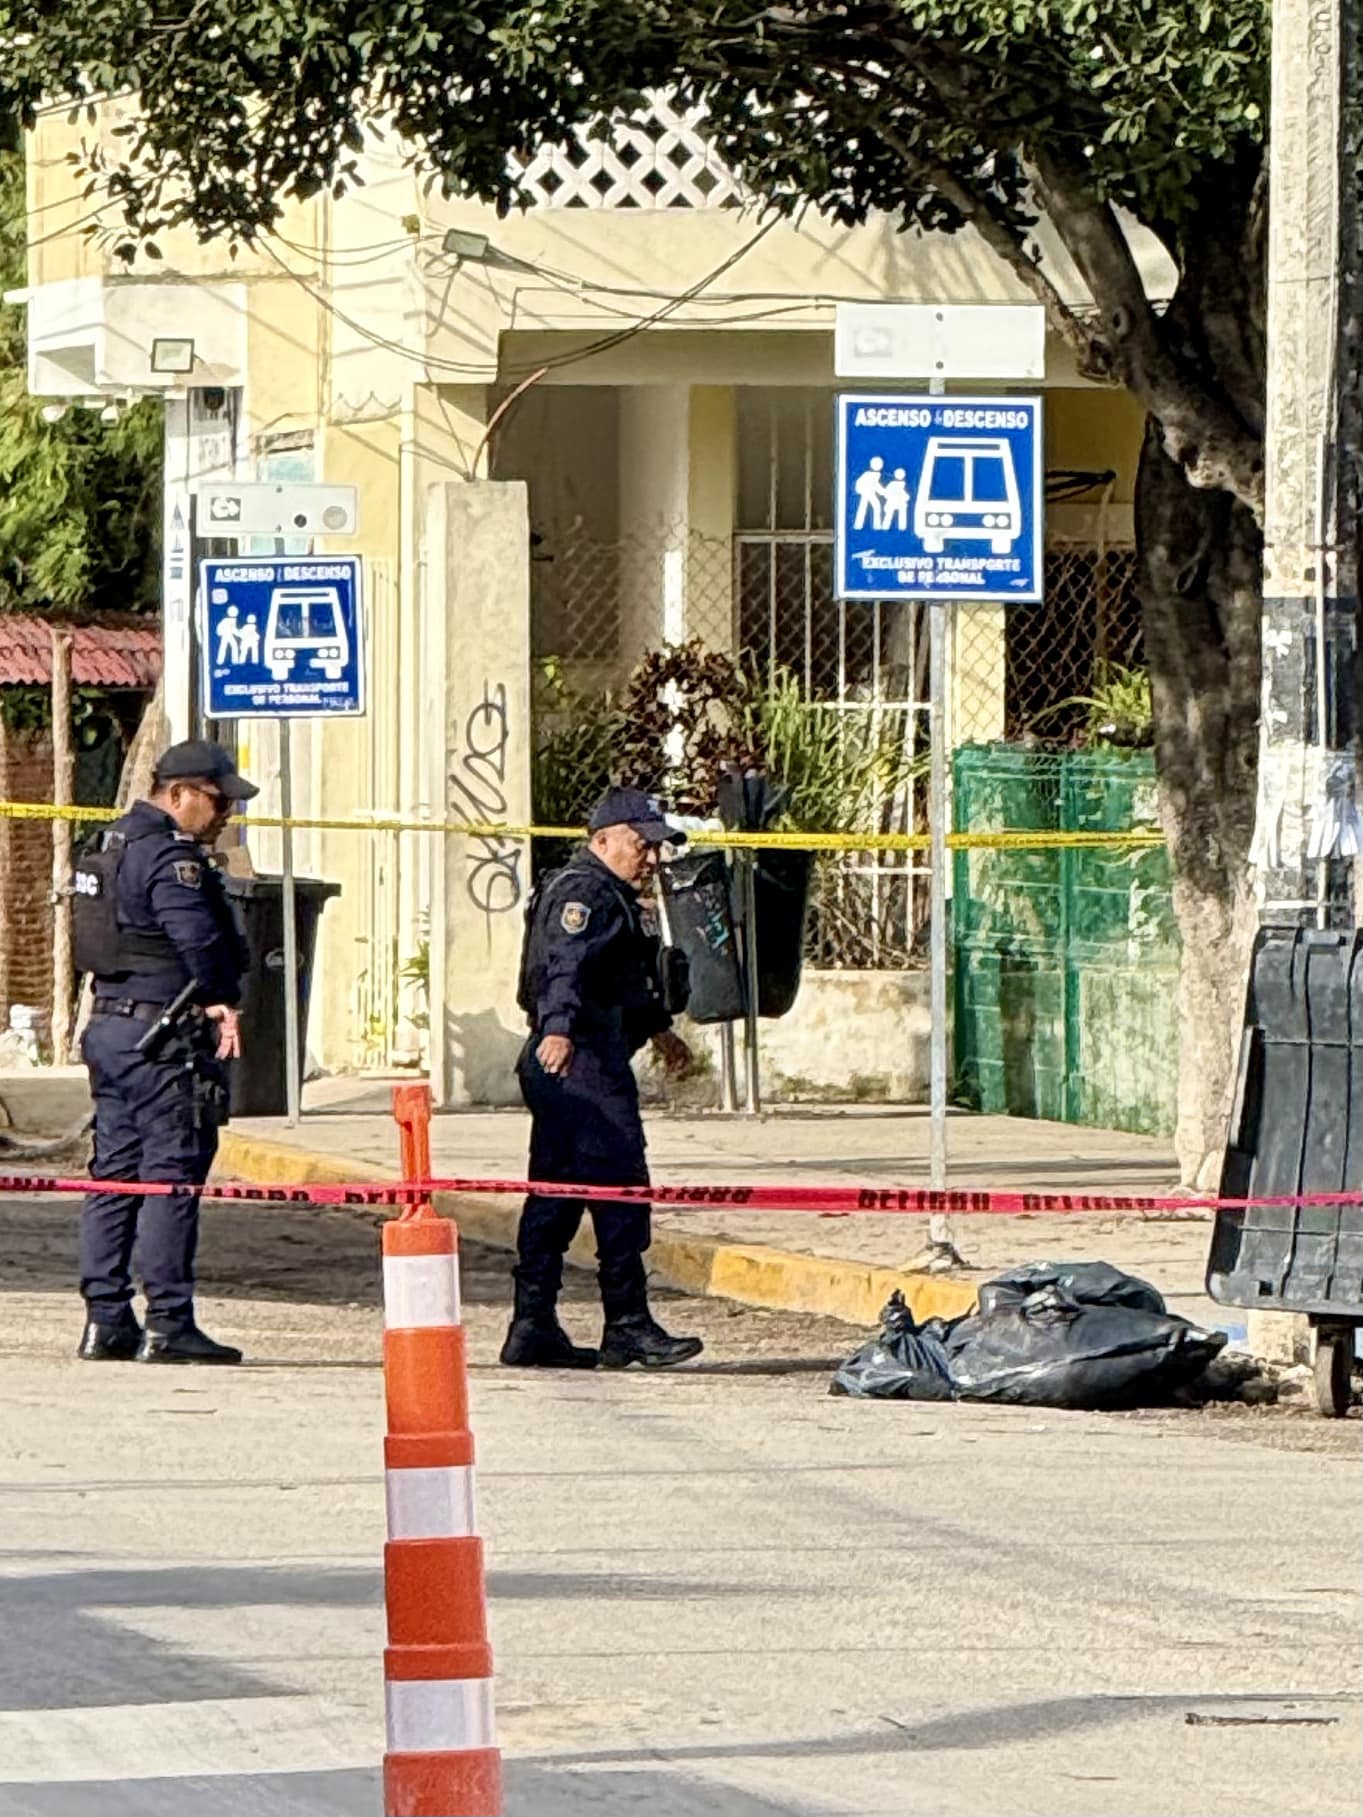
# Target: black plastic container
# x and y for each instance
(259, 1080)
(700, 920)
(1297, 1128)
(782, 887)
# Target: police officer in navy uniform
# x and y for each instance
(153, 918)
(591, 987)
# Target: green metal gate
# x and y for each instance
(1066, 960)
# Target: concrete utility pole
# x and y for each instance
(177, 577)
(1308, 744)
(1310, 870)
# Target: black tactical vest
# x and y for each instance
(99, 943)
(527, 984)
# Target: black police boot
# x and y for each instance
(184, 1344)
(536, 1340)
(110, 1341)
(637, 1337)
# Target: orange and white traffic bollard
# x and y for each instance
(442, 1758)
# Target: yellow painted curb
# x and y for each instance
(262, 1163)
(751, 1273)
(835, 1287)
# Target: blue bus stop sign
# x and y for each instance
(282, 636)
(939, 498)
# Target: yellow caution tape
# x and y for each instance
(1140, 838)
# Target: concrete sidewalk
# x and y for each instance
(713, 1590)
(840, 1267)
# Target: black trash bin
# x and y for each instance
(700, 922)
(751, 802)
(1298, 1129)
(782, 887)
(259, 1080)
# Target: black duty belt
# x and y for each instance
(131, 1007)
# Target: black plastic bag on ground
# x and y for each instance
(1048, 1334)
(1053, 1349)
(902, 1362)
(1087, 1283)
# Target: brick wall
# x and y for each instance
(25, 877)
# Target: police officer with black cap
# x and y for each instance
(592, 988)
(154, 926)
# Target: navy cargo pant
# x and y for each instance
(151, 1123)
(585, 1130)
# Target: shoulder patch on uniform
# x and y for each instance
(189, 872)
(574, 917)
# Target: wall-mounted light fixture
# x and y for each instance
(471, 248)
(173, 355)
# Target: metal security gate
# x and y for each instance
(865, 661)
(868, 663)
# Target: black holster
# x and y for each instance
(210, 1097)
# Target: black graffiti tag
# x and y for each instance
(478, 790)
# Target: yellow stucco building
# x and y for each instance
(602, 423)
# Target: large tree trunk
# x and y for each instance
(1200, 579)
(1200, 594)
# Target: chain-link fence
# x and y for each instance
(1056, 674)
(1071, 646)
(868, 664)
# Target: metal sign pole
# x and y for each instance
(177, 578)
(940, 1226)
(748, 874)
(293, 1070)
(728, 1067)
(196, 703)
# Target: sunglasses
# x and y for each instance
(222, 804)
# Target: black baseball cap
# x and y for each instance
(200, 760)
(632, 808)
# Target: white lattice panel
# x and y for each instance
(658, 160)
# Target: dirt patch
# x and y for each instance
(295, 1285)
(1288, 1426)
(301, 1286)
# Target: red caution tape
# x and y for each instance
(825, 1201)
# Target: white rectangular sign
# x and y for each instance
(227, 508)
(939, 341)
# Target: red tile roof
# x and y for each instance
(105, 656)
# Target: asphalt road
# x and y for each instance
(711, 1591)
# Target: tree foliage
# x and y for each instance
(943, 111)
(79, 499)
(256, 101)
(1039, 123)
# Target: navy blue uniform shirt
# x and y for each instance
(592, 968)
(167, 884)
